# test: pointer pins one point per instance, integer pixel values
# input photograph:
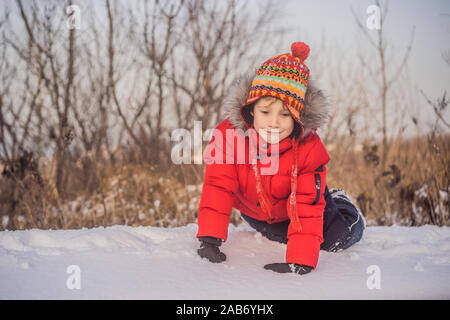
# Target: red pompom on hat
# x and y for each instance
(300, 50)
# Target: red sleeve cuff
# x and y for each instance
(303, 249)
(213, 224)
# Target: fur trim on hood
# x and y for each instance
(313, 115)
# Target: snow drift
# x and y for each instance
(161, 263)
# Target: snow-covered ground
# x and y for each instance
(155, 263)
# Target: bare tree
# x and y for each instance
(384, 82)
(221, 40)
(158, 54)
(129, 75)
(16, 106)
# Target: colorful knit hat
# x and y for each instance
(284, 77)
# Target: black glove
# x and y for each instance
(288, 267)
(209, 249)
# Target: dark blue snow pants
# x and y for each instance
(343, 226)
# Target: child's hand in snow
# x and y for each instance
(209, 249)
(288, 267)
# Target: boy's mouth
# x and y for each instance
(272, 130)
(275, 132)
(271, 135)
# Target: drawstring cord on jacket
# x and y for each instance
(292, 212)
(264, 200)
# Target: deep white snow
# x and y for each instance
(155, 263)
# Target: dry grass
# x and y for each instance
(412, 190)
(127, 195)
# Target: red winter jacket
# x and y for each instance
(232, 183)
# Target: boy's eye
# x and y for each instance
(265, 112)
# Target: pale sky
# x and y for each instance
(334, 20)
(310, 21)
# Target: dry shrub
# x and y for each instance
(23, 194)
(99, 193)
(412, 190)
(128, 195)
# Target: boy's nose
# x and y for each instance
(274, 122)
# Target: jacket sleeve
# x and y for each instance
(219, 187)
(303, 246)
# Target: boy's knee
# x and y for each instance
(343, 233)
(356, 234)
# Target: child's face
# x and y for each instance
(272, 120)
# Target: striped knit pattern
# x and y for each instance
(284, 77)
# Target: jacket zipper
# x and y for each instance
(318, 184)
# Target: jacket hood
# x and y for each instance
(313, 116)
